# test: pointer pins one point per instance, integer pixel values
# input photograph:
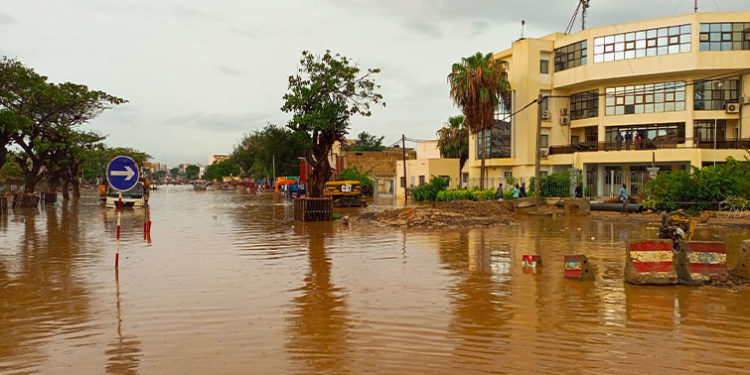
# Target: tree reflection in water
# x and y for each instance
(318, 328)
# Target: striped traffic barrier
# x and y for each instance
(578, 267)
(531, 260)
(742, 266)
(699, 260)
(651, 262)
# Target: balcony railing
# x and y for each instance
(743, 143)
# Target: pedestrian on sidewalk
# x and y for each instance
(624, 199)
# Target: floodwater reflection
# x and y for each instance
(231, 284)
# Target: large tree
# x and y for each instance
(368, 142)
(192, 171)
(324, 94)
(258, 151)
(479, 85)
(44, 112)
(453, 142)
(222, 168)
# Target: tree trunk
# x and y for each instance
(321, 169)
(481, 169)
(65, 186)
(32, 178)
(77, 188)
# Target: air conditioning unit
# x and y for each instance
(564, 112)
(544, 152)
(546, 114)
(733, 107)
(564, 120)
(745, 100)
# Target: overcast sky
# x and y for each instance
(199, 74)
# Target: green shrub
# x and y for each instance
(429, 192)
(482, 195)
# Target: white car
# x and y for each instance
(131, 198)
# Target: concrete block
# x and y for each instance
(651, 262)
(524, 202)
(699, 260)
(742, 266)
(531, 260)
(578, 267)
(577, 206)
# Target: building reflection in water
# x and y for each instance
(41, 291)
(318, 321)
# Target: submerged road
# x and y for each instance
(228, 283)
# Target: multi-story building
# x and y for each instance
(428, 164)
(214, 158)
(680, 83)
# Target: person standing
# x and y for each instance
(628, 140)
(579, 191)
(516, 192)
(523, 190)
(499, 192)
(624, 199)
(619, 138)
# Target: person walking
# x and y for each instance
(499, 192)
(618, 139)
(628, 140)
(624, 199)
(523, 190)
(516, 192)
(579, 191)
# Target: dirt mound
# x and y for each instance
(443, 215)
(728, 281)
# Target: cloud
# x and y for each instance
(6, 19)
(479, 27)
(185, 14)
(423, 28)
(217, 122)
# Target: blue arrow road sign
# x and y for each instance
(122, 173)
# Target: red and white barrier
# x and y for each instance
(651, 262)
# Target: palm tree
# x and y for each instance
(453, 142)
(478, 85)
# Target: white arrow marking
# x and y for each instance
(127, 172)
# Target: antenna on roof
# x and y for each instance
(586, 5)
(695, 9)
(523, 23)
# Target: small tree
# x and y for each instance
(324, 94)
(191, 171)
(453, 142)
(174, 172)
(368, 142)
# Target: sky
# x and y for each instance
(199, 74)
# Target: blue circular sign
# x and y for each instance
(122, 173)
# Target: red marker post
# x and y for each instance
(117, 244)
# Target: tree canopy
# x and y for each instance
(257, 151)
(222, 168)
(368, 142)
(453, 141)
(41, 118)
(192, 171)
(322, 97)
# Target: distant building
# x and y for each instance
(214, 158)
(427, 165)
(380, 164)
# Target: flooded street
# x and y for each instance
(230, 284)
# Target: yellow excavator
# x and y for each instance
(347, 193)
(676, 225)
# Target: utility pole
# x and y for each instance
(537, 188)
(403, 148)
(585, 6)
(273, 164)
(695, 8)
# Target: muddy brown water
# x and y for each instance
(229, 284)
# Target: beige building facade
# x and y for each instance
(671, 92)
(427, 165)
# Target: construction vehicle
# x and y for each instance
(346, 193)
(676, 225)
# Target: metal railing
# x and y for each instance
(743, 143)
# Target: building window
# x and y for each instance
(571, 56)
(545, 102)
(544, 66)
(403, 182)
(584, 105)
(421, 180)
(651, 134)
(497, 141)
(653, 42)
(650, 98)
(544, 141)
(715, 94)
(726, 36)
(592, 134)
(508, 174)
(574, 140)
(412, 181)
(704, 130)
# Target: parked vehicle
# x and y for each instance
(345, 193)
(134, 197)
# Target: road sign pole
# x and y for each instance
(122, 175)
(117, 245)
